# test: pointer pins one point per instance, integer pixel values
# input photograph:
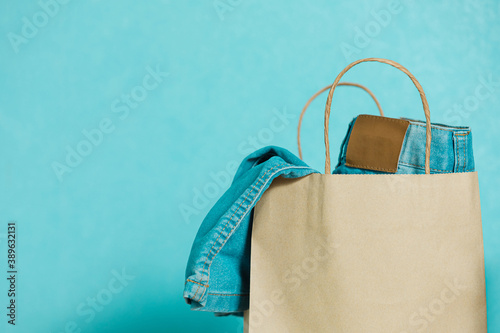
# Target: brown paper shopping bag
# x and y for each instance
(368, 253)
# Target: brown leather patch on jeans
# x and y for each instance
(375, 143)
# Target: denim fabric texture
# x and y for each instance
(218, 269)
(451, 150)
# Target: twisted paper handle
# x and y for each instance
(422, 97)
(323, 90)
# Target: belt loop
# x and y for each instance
(460, 147)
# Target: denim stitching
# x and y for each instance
(464, 155)
(421, 167)
(204, 285)
(197, 290)
(241, 204)
(440, 129)
(465, 152)
(227, 223)
(207, 269)
(238, 222)
(461, 152)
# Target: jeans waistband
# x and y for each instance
(451, 148)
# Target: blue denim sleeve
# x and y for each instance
(218, 269)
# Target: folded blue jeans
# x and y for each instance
(451, 150)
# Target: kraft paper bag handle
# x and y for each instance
(351, 84)
(422, 97)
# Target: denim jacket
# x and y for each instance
(218, 269)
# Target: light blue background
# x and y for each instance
(229, 68)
